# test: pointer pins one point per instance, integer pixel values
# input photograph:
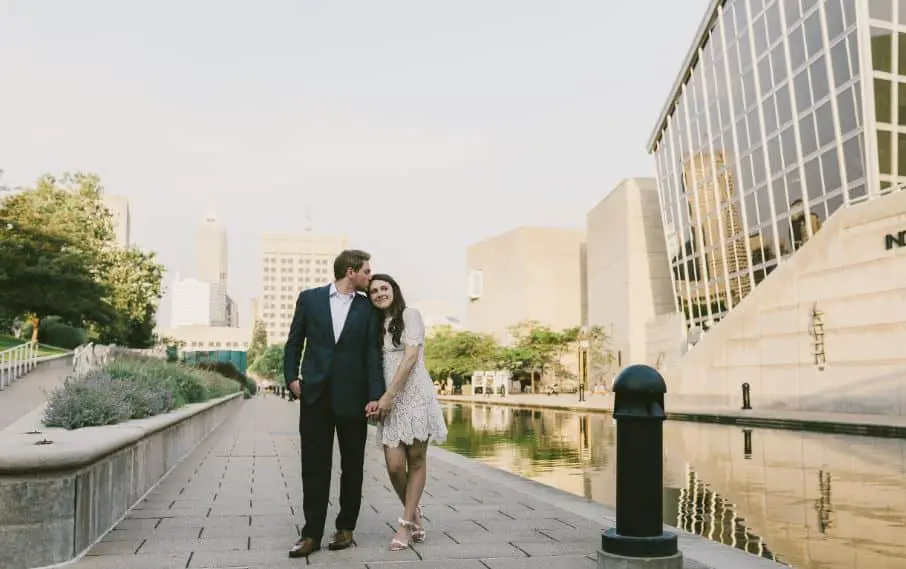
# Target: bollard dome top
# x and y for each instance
(639, 378)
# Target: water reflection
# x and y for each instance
(804, 499)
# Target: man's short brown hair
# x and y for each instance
(349, 259)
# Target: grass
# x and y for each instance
(131, 388)
(7, 342)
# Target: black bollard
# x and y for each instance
(639, 412)
(581, 392)
(747, 444)
(746, 397)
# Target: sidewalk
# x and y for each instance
(842, 423)
(235, 502)
(30, 391)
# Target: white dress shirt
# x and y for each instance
(339, 309)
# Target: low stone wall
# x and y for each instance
(59, 497)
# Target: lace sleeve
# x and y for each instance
(413, 328)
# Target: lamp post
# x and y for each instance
(584, 342)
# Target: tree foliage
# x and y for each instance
(269, 364)
(58, 257)
(259, 341)
(458, 353)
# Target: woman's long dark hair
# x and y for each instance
(394, 311)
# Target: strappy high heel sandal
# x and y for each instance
(417, 531)
(398, 544)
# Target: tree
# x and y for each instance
(43, 274)
(134, 279)
(458, 353)
(539, 347)
(269, 364)
(259, 341)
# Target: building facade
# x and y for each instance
(530, 273)
(771, 128)
(290, 264)
(212, 266)
(191, 302)
(628, 277)
(118, 206)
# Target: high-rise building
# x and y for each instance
(211, 266)
(191, 302)
(290, 264)
(122, 222)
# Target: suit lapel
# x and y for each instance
(353, 313)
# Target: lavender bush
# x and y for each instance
(129, 388)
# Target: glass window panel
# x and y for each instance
(751, 210)
(820, 84)
(807, 5)
(748, 85)
(833, 13)
(807, 134)
(770, 115)
(754, 127)
(739, 103)
(901, 154)
(830, 170)
(803, 92)
(824, 121)
(885, 149)
(774, 155)
(853, 48)
(813, 183)
(881, 9)
(788, 147)
(797, 48)
(759, 175)
(853, 158)
(857, 192)
(726, 19)
(846, 107)
(901, 103)
(745, 52)
(740, 13)
(772, 21)
(764, 204)
(760, 35)
(741, 135)
(793, 186)
(778, 64)
(840, 63)
(792, 12)
(733, 57)
(784, 107)
(901, 46)
(881, 50)
(778, 188)
(902, 10)
(834, 203)
(812, 34)
(883, 101)
(849, 12)
(764, 74)
(745, 173)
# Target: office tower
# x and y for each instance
(211, 266)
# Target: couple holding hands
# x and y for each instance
(363, 359)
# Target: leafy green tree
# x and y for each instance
(269, 364)
(134, 279)
(459, 353)
(259, 341)
(539, 347)
(42, 273)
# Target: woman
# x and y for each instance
(410, 414)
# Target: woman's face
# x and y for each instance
(381, 294)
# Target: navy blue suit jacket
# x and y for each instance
(350, 366)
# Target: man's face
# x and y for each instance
(362, 278)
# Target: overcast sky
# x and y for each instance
(415, 127)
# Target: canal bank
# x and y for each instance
(235, 502)
(839, 423)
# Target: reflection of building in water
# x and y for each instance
(491, 417)
(704, 513)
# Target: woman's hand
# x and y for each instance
(385, 405)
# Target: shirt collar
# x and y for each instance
(335, 292)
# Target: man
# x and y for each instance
(341, 380)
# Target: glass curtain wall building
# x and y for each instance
(767, 133)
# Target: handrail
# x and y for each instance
(17, 361)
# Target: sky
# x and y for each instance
(414, 127)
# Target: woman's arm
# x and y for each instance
(410, 356)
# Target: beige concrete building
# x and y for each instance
(211, 337)
(118, 206)
(628, 277)
(290, 264)
(529, 273)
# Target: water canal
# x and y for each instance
(806, 500)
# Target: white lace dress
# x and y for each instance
(416, 414)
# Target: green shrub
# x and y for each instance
(131, 388)
(228, 369)
(52, 331)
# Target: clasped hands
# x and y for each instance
(381, 408)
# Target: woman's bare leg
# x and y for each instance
(396, 469)
(416, 456)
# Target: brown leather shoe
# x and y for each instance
(304, 547)
(340, 540)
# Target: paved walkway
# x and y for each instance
(235, 503)
(850, 423)
(30, 391)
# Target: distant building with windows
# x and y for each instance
(290, 264)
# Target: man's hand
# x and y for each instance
(296, 388)
(371, 409)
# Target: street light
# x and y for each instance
(584, 342)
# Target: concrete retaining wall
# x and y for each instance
(57, 499)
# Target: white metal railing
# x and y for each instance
(16, 362)
(90, 356)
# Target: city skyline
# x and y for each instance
(400, 135)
